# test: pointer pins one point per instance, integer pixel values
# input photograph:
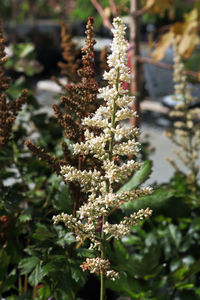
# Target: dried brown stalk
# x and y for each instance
(8, 109)
(70, 55)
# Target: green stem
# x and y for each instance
(102, 287)
(102, 291)
(113, 119)
(19, 285)
(103, 241)
(189, 154)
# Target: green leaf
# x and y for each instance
(156, 201)
(69, 238)
(175, 264)
(78, 275)
(10, 281)
(175, 235)
(125, 285)
(4, 262)
(183, 286)
(62, 200)
(131, 240)
(138, 178)
(25, 217)
(147, 265)
(44, 292)
(83, 252)
(120, 251)
(27, 264)
(37, 275)
(25, 49)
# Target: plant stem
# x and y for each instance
(34, 292)
(102, 289)
(25, 283)
(19, 286)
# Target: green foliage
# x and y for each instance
(139, 177)
(84, 9)
(20, 11)
(23, 59)
(160, 260)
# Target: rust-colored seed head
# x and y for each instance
(79, 101)
(81, 98)
(8, 109)
(70, 55)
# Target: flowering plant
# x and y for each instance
(185, 133)
(109, 145)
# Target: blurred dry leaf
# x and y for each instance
(158, 6)
(190, 37)
(107, 11)
(163, 45)
(186, 34)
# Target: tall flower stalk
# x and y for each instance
(109, 145)
(186, 130)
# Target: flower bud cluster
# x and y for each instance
(106, 145)
(98, 265)
(116, 173)
(89, 180)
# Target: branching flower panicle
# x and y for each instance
(92, 219)
(186, 132)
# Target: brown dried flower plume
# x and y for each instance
(70, 55)
(8, 109)
(80, 101)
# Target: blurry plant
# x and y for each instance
(159, 260)
(9, 110)
(109, 145)
(156, 6)
(70, 55)
(186, 132)
(109, 8)
(18, 10)
(186, 32)
(22, 58)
